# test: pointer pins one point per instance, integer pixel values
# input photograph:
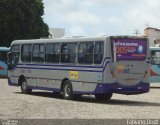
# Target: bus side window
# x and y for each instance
(69, 53)
(49, 53)
(56, 52)
(52, 52)
(98, 52)
(72, 47)
(35, 53)
(85, 53)
(41, 53)
(38, 53)
(64, 54)
(26, 53)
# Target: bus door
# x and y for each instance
(129, 66)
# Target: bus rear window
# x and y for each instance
(129, 49)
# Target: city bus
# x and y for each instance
(155, 65)
(3, 61)
(75, 66)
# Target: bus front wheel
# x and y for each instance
(106, 96)
(24, 87)
(67, 90)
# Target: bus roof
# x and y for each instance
(73, 39)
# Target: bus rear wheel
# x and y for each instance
(106, 96)
(67, 90)
(24, 87)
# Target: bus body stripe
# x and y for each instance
(60, 65)
(102, 70)
(67, 67)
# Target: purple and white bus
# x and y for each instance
(81, 65)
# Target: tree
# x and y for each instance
(21, 19)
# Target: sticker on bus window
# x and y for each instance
(74, 75)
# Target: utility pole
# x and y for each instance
(136, 32)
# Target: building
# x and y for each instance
(154, 36)
(56, 32)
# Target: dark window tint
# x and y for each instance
(26, 53)
(69, 53)
(41, 53)
(3, 56)
(98, 52)
(35, 53)
(86, 53)
(15, 48)
(38, 53)
(14, 56)
(52, 53)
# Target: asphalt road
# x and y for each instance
(45, 105)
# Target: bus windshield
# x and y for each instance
(13, 56)
(129, 49)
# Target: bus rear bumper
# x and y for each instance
(121, 89)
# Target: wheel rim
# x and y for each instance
(67, 90)
(24, 86)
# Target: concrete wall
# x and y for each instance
(56, 32)
(153, 34)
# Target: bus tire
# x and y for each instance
(24, 87)
(67, 90)
(105, 96)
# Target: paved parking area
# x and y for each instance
(45, 105)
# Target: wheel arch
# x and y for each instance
(21, 78)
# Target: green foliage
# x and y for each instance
(21, 19)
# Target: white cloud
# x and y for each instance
(105, 1)
(81, 17)
(141, 14)
(114, 17)
(77, 31)
(153, 3)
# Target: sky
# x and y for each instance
(102, 17)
